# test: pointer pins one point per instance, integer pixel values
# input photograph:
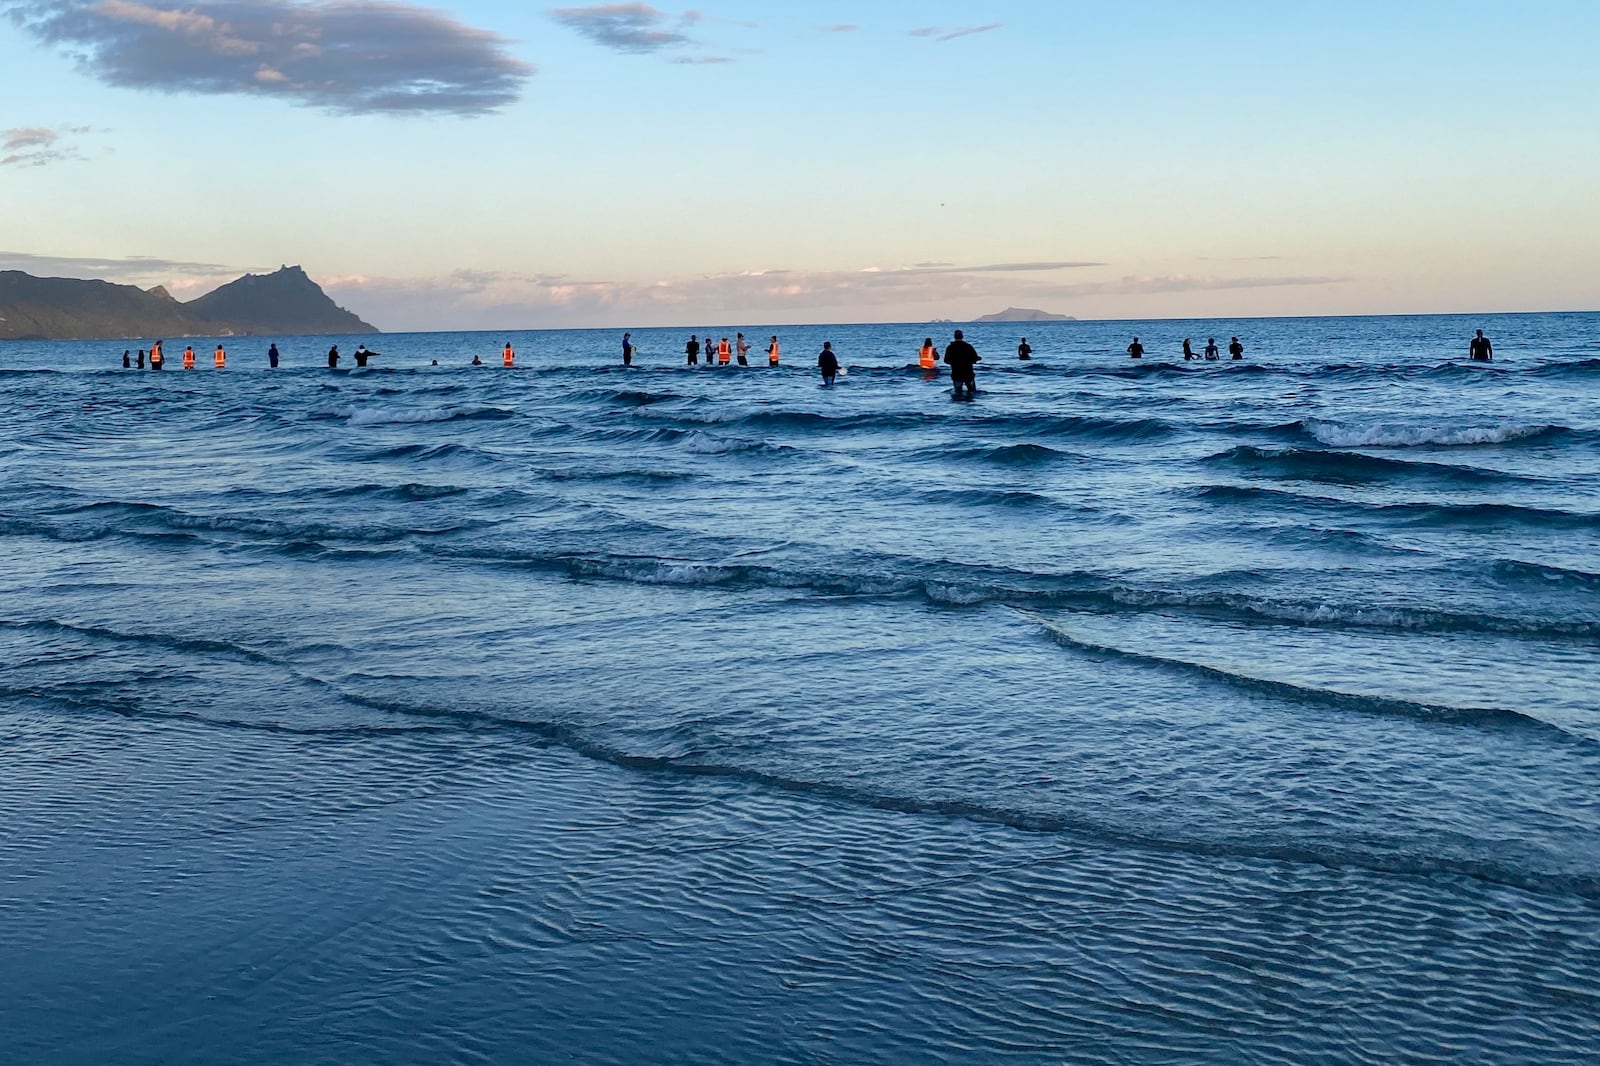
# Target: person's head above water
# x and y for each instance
(959, 335)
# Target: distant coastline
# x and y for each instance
(282, 303)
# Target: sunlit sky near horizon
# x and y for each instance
(491, 165)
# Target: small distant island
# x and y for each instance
(283, 303)
(1024, 314)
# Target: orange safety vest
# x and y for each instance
(508, 356)
(221, 357)
(188, 358)
(724, 353)
(927, 357)
(772, 353)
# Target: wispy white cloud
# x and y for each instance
(37, 146)
(949, 33)
(343, 56)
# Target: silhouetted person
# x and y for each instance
(961, 357)
(475, 360)
(333, 357)
(1481, 349)
(1236, 349)
(692, 350)
(627, 349)
(1023, 351)
(140, 364)
(362, 355)
(1136, 350)
(1188, 350)
(828, 363)
(1211, 349)
(272, 356)
(126, 362)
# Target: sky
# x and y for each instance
(487, 165)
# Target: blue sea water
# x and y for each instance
(1140, 713)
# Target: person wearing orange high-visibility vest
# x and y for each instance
(929, 356)
(724, 353)
(221, 358)
(772, 352)
(188, 358)
(508, 357)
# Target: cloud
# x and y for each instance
(343, 56)
(945, 33)
(842, 27)
(36, 146)
(1147, 285)
(635, 28)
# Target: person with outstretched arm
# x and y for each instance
(961, 358)
(828, 363)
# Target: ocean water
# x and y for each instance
(1140, 713)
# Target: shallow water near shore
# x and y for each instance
(1135, 712)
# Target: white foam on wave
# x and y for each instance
(384, 416)
(1394, 435)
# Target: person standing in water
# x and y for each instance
(1136, 350)
(724, 353)
(126, 362)
(157, 360)
(691, 350)
(1023, 350)
(188, 357)
(272, 356)
(220, 358)
(828, 363)
(508, 357)
(928, 359)
(1211, 349)
(962, 358)
(772, 352)
(362, 354)
(743, 347)
(1480, 349)
(627, 349)
(1188, 350)
(141, 359)
(1235, 349)
(333, 358)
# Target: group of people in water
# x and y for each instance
(959, 355)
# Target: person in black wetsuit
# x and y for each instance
(627, 349)
(333, 357)
(1188, 350)
(692, 351)
(1480, 349)
(1023, 350)
(1236, 349)
(272, 356)
(828, 363)
(126, 362)
(1136, 350)
(961, 357)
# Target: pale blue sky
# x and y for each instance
(867, 161)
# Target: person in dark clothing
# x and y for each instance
(157, 360)
(1136, 350)
(692, 350)
(627, 349)
(362, 355)
(828, 363)
(961, 357)
(1480, 348)
(1188, 350)
(140, 364)
(272, 356)
(126, 362)
(1023, 350)
(1236, 349)
(333, 357)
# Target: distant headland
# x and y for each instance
(1024, 314)
(283, 303)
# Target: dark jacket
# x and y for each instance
(961, 356)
